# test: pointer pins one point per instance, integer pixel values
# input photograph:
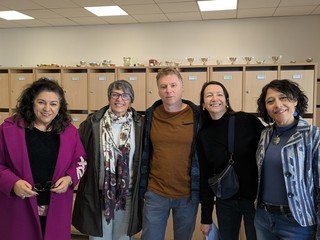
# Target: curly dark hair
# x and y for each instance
(24, 106)
(290, 89)
(205, 116)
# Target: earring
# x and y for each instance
(203, 108)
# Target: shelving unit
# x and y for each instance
(86, 87)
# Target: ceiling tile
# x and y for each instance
(93, 3)
(20, 4)
(179, 7)
(286, 3)
(41, 13)
(127, 2)
(257, 4)
(291, 11)
(73, 12)
(316, 11)
(120, 19)
(141, 9)
(88, 20)
(260, 12)
(55, 3)
(59, 22)
(151, 18)
(33, 23)
(219, 14)
(188, 16)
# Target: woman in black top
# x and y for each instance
(213, 153)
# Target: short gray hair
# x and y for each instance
(123, 85)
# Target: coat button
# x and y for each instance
(288, 174)
(290, 195)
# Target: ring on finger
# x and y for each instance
(23, 196)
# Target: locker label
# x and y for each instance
(261, 77)
(102, 78)
(192, 78)
(296, 76)
(227, 77)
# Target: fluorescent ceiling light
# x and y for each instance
(14, 15)
(217, 5)
(106, 11)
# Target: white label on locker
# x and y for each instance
(227, 77)
(76, 119)
(192, 78)
(133, 78)
(261, 77)
(22, 78)
(296, 76)
(102, 78)
(75, 78)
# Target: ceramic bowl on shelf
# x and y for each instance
(309, 60)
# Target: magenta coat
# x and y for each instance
(19, 217)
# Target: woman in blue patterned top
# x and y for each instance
(288, 166)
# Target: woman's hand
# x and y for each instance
(205, 229)
(61, 186)
(23, 189)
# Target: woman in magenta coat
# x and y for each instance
(41, 159)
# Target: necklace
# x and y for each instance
(276, 139)
(280, 131)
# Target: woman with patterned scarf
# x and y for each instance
(107, 205)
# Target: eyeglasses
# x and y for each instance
(38, 187)
(124, 96)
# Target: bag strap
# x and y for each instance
(231, 137)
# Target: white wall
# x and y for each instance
(293, 37)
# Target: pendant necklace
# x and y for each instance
(280, 131)
(276, 139)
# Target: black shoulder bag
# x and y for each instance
(226, 183)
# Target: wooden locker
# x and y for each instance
(98, 83)
(231, 78)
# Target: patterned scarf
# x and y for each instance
(116, 162)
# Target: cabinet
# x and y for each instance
(19, 78)
(98, 83)
(86, 87)
(151, 86)
(255, 78)
(75, 84)
(193, 79)
(137, 77)
(232, 78)
(304, 75)
(50, 73)
(4, 89)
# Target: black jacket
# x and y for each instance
(87, 212)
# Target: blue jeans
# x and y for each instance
(156, 212)
(276, 226)
(229, 215)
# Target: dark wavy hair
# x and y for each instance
(290, 89)
(24, 106)
(205, 116)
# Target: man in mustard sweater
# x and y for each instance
(169, 165)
